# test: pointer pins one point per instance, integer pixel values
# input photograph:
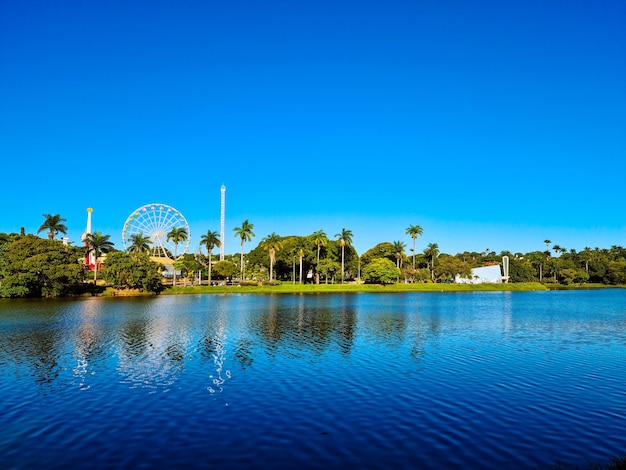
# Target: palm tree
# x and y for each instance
(272, 243)
(139, 243)
(547, 242)
(414, 231)
(98, 244)
(54, 225)
(432, 250)
(177, 235)
(345, 238)
(210, 240)
(319, 239)
(300, 247)
(245, 233)
(398, 250)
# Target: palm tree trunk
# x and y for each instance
(210, 262)
(342, 257)
(317, 273)
(242, 260)
(271, 268)
(300, 269)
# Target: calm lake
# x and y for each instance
(408, 380)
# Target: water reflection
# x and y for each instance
(213, 347)
(419, 380)
(88, 343)
(152, 341)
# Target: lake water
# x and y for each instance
(410, 380)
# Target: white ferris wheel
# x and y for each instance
(155, 222)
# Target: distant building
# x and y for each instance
(484, 274)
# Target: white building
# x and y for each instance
(490, 274)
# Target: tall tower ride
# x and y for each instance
(222, 219)
(89, 258)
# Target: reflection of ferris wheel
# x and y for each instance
(155, 222)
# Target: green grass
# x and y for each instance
(289, 288)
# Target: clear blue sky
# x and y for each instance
(491, 124)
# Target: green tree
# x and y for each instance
(224, 269)
(547, 242)
(448, 267)
(53, 224)
(210, 240)
(345, 238)
(381, 250)
(328, 268)
(398, 252)
(319, 240)
(272, 243)
(381, 271)
(414, 231)
(139, 243)
(98, 244)
(177, 235)
(432, 251)
(33, 267)
(301, 247)
(245, 233)
(133, 271)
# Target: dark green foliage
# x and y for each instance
(449, 266)
(380, 271)
(224, 269)
(133, 271)
(34, 267)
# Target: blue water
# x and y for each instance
(415, 380)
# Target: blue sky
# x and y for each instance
(490, 124)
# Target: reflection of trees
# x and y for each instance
(243, 353)
(37, 348)
(347, 327)
(134, 334)
(310, 325)
(391, 328)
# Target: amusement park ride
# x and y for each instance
(89, 258)
(155, 221)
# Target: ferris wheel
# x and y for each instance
(155, 222)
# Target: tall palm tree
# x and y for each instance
(139, 243)
(53, 224)
(432, 250)
(547, 242)
(398, 250)
(300, 247)
(210, 240)
(177, 235)
(245, 233)
(272, 243)
(345, 238)
(319, 239)
(415, 231)
(98, 244)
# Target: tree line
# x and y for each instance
(33, 267)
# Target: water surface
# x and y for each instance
(408, 380)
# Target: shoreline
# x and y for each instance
(359, 288)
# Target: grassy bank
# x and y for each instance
(289, 288)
